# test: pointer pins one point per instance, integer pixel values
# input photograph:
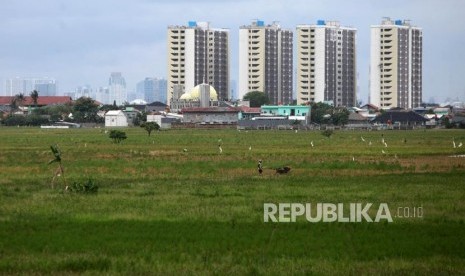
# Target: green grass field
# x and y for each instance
(162, 210)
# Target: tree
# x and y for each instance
(150, 126)
(340, 116)
(117, 136)
(140, 119)
(35, 97)
(20, 98)
(85, 110)
(17, 101)
(322, 113)
(256, 98)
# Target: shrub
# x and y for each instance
(89, 187)
(327, 133)
(117, 136)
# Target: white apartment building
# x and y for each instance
(326, 64)
(396, 64)
(198, 54)
(265, 61)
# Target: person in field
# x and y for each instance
(260, 166)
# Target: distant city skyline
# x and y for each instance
(82, 42)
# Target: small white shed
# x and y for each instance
(115, 118)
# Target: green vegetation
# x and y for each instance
(322, 113)
(162, 210)
(150, 126)
(117, 136)
(256, 98)
(327, 133)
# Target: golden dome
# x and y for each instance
(194, 94)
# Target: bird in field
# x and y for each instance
(250, 147)
(460, 145)
(385, 144)
(220, 149)
(369, 143)
(311, 143)
(383, 152)
(184, 150)
(363, 139)
(453, 144)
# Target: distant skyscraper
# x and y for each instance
(45, 86)
(396, 64)
(152, 89)
(326, 63)
(117, 89)
(84, 91)
(197, 54)
(265, 61)
(103, 95)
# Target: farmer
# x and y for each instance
(260, 167)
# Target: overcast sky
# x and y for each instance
(81, 42)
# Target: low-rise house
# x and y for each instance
(28, 103)
(155, 107)
(211, 115)
(357, 120)
(372, 109)
(131, 113)
(292, 112)
(164, 120)
(401, 118)
(442, 111)
(115, 118)
(248, 113)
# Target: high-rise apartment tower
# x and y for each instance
(396, 64)
(198, 54)
(326, 64)
(265, 61)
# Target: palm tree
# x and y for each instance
(17, 101)
(34, 96)
(20, 98)
(60, 171)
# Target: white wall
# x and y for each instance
(374, 67)
(243, 63)
(189, 55)
(320, 64)
(118, 120)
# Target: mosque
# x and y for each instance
(203, 95)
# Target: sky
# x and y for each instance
(82, 42)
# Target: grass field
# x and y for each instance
(163, 210)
